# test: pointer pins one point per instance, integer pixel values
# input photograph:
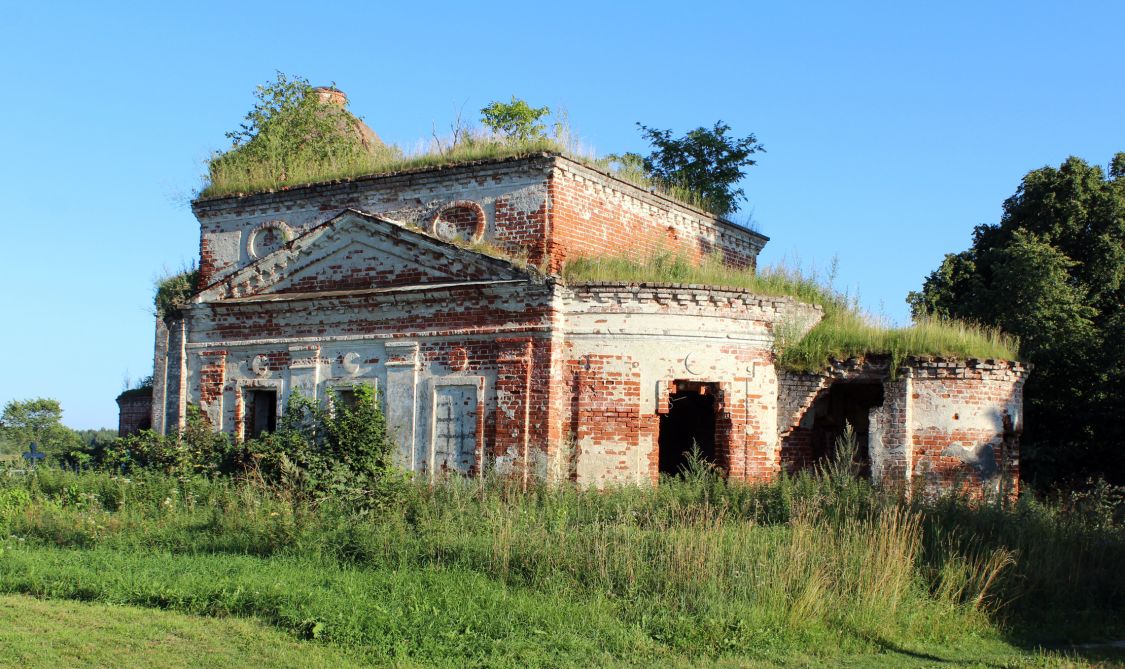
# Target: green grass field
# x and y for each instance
(693, 573)
(48, 634)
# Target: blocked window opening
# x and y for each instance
(455, 428)
(261, 412)
(345, 397)
(844, 404)
(462, 220)
(689, 423)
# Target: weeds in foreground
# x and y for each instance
(798, 556)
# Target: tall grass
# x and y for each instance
(844, 331)
(702, 564)
(255, 176)
(235, 173)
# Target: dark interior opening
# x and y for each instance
(261, 412)
(345, 397)
(844, 404)
(689, 421)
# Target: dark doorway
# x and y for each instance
(261, 412)
(690, 421)
(846, 404)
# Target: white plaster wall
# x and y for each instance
(409, 199)
(661, 343)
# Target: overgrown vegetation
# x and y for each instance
(173, 292)
(1052, 271)
(481, 572)
(291, 138)
(843, 333)
(489, 572)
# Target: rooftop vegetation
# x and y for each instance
(292, 137)
(174, 291)
(844, 332)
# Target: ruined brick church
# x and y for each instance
(441, 289)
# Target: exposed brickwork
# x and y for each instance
(592, 215)
(543, 208)
(460, 219)
(368, 281)
(942, 424)
(134, 412)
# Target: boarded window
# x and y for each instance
(455, 428)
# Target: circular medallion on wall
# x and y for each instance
(350, 363)
(459, 221)
(267, 238)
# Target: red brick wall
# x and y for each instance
(595, 215)
(965, 422)
(606, 413)
(134, 413)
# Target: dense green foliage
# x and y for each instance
(173, 292)
(1052, 272)
(705, 161)
(485, 573)
(843, 332)
(290, 135)
(341, 451)
(516, 120)
(37, 421)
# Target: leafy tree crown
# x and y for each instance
(708, 162)
(515, 120)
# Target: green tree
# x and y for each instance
(341, 452)
(706, 162)
(516, 121)
(290, 133)
(1053, 273)
(38, 420)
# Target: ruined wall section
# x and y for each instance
(452, 366)
(169, 380)
(942, 424)
(965, 424)
(511, 194)
(797, 392)
(625, 346)
(595, 214)
(134, 411)
(543, 209)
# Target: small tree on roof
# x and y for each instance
(706, 162)
(516, 121)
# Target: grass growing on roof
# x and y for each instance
(230, 174)
(844, 332)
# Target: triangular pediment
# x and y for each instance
(358, 251)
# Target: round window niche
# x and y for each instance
(267, 238)
(459, 221)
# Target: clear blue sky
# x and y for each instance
(891, 129)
